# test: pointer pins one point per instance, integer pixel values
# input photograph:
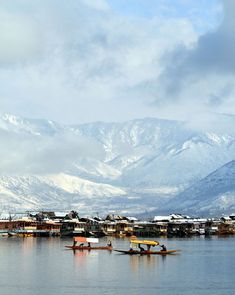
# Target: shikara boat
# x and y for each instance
(136, 248)
(89, 244)
(146, 252)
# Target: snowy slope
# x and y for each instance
(85, 188)
(211, 195)
(56, 192)
(16, 124)
(152, 153)
(136, 165)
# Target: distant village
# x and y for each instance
(64, 224)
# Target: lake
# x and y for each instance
(43, 266)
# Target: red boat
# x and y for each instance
(90, 248)
(89, 245)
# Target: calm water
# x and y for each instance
(44, 266)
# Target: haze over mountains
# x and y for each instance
(145, 165)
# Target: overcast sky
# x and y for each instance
(76, 61)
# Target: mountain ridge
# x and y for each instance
(148, 160)
(213, 194)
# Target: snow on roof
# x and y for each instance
(33, 212)
(226, 218)
(162, 218)
(60, 214)
(178, 216)
(4, 215)
(131, 218)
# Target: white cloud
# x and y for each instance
(202, 78)
(23, 153)
(75, 61)
(97, 4)
(18, 38)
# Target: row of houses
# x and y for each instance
(70, 224)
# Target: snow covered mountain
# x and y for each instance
(55, 191)
(133, 166)
(214, 194)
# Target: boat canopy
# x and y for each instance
(145, 242)
(86, 240)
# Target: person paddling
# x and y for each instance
(163, 248)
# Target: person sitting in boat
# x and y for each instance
(141, 248)
(109, 244)
(163, 248)
(81, 245)
(131, 249)
(148, 247)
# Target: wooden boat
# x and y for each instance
(89, 246)
(146, 252)
(135, 248)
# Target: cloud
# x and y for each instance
(98, 4)
(23, 153)
(79, 61)
(203, 76)
(18, 41)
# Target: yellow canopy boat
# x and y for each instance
(145, 242)
(135, 248)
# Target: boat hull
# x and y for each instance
(81, 248)
(135, 252)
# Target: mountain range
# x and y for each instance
(145, 165)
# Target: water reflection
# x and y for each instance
(79, 257)
(44, 266)
(27, 244)
(141, 262)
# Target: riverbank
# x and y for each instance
(70, 224)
